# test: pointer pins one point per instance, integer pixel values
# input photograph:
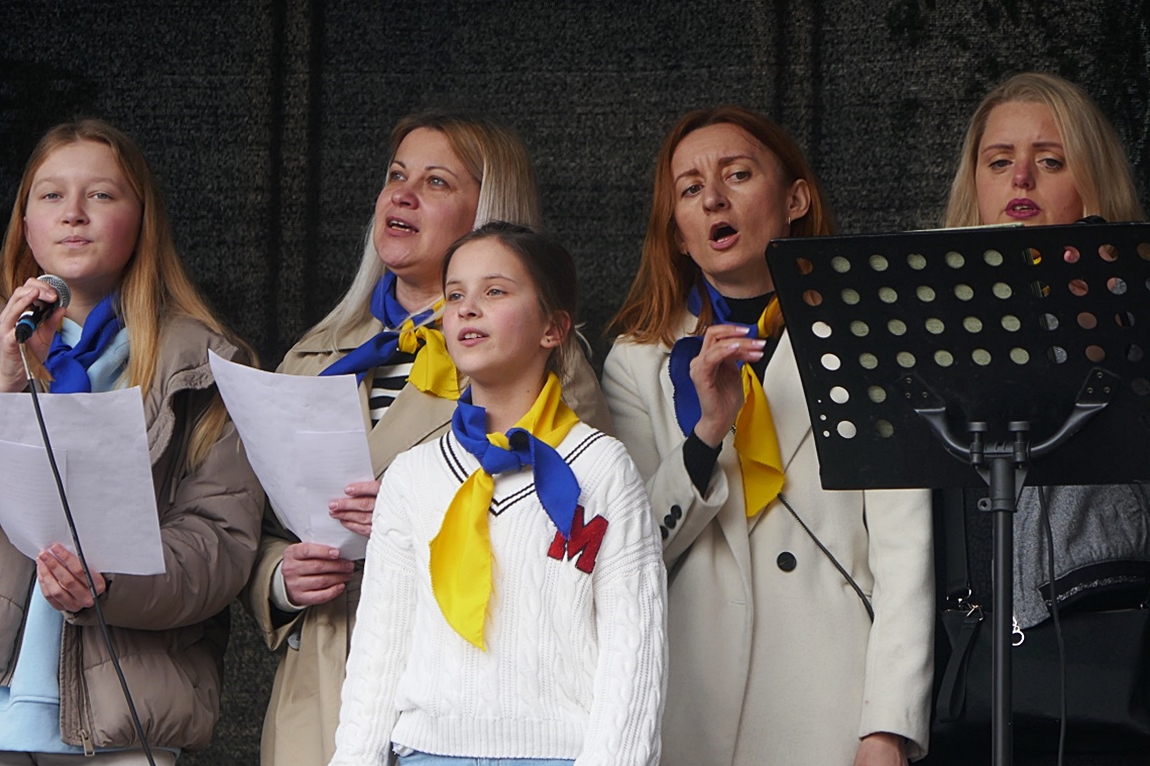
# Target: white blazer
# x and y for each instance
(773, 659)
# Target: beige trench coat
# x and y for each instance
(302, 716)
(773, 659)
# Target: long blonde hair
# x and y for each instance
(1094, 154)
(154, 287)
(498, 161)
(658, 296)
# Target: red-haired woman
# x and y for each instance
(774, 654)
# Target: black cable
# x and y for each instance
(84, 562)
(1057, 624)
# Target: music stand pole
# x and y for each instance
(1003, 504)
(1004, 465)
(1001, 708)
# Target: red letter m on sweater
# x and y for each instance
(585, 541)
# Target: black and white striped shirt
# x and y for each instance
(389, 380)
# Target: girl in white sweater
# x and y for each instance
(514, 593)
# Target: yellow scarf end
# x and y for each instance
(460, 559)
(761, 485)
(757, 443)
(463, 612)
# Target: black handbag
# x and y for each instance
(1107, 653)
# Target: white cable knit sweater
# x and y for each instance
(576, 638)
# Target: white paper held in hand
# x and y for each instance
(305, 439)
(101, 448)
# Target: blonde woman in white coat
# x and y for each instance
(774, 658)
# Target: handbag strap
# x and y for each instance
(953, 503)
(824, 549)
(952, 691)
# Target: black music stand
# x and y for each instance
(1018, 351)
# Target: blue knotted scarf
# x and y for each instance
(69, 365)
(555, 482)
(382, 348)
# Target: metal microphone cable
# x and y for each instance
(84, 562)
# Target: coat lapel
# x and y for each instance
(784, 391)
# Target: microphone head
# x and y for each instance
(63, 294)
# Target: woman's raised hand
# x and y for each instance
(715, 373)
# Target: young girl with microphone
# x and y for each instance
(513, 596)
(89, 210)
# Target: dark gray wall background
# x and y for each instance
(267, 121)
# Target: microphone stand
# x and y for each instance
(84, 562)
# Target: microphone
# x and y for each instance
(35, 314)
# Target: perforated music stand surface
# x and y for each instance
(1002, 324)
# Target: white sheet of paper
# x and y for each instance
(101, 448)
(305, 439)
